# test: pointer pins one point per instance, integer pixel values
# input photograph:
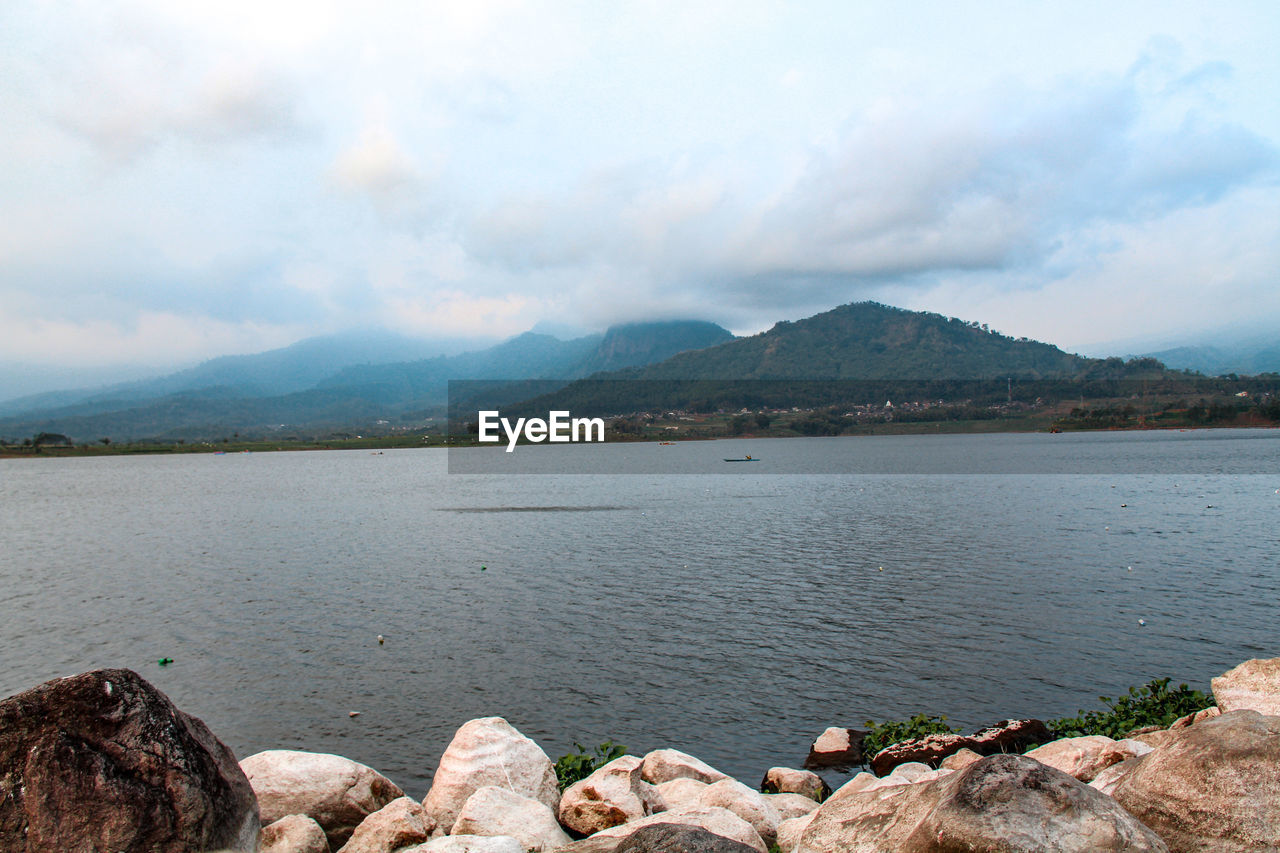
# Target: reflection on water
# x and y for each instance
(732, 615)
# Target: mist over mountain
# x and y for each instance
(336, 383)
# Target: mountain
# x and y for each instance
(237, 399)
(861, 352)
(1222, 359)
(280, 371)
(867, 340)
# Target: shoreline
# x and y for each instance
(147, 448)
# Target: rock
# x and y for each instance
(498, 811)
(104, 761)
(295, 833)
(1192, 719)
(469, 844)
(1005, 736)
(747, 804)
(1155, 739)
(1107, 780)
(784, 780)
(790, 831)
(912, 771)
(859, 782)
(715, 820)
(612, 795)
(335, 792)
(790, 806)
(960, 760)
(673, 838)
(489, 751)
(661, 838)
(1253, 685)
(663, 765)
(837, 747)
(1212, 786)
(399, 823)
(1006, 803)
(1086, 757)
(679, 792)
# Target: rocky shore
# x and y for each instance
(104, 762)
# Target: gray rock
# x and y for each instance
(661, 838)
(469, 844)
(104, 761)
(1004, 803)
(713, 819)
(1212, 786)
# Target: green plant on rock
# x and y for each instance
(880, 735)
(576, 766)
(1152, 704)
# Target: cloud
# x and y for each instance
(376, 164)
(911, 191)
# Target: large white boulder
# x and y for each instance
(612, 795)
(489, 752)
(663, 765)
(679, 793)
(1252, 686)
(790, 831)
(1009, 803)
(469, 844)
(1086, 757)
(716, 820)
(791, 806)
(747, 804)
(400, 823)
(295, 833)
(335, 792)
(499, 811)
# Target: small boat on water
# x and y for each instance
(747, 458)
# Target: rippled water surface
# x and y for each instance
(732, 614)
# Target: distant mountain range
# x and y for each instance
(1246, 360)
(333, 383)
(369, 385)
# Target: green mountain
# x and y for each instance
(853, 354)
(867, 340)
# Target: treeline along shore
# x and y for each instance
(103, 761)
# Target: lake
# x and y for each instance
(650, 594)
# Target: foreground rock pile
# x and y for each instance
(102, 761)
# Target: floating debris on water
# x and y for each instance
(381, 639)
(1142, 621)
(353, 713)
(165, 661)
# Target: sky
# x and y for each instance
(185, 180)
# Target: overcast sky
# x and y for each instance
(183, 180)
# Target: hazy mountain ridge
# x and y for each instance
(296, 367)
(1220, 360)
(349, 396)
